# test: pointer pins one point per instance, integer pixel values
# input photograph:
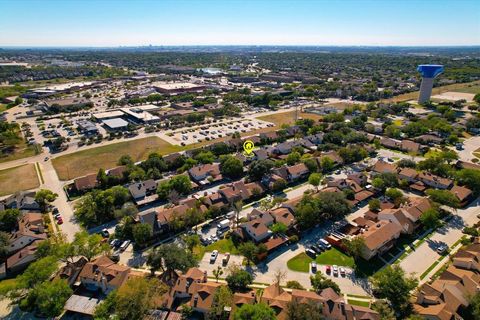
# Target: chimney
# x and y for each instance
(204, 276)
(195, 300)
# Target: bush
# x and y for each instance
(293, 239)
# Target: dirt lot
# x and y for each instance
(454, 96)
(18, 179)
(80, 163)
(458, 87)
(288, 118)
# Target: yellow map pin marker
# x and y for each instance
(248, 148)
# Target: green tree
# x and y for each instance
(314, 179)
(384, 310)
(142, 233)
(191, 241)
(137, 296)
(396, 195)
(474, 308)
(259, 311)
(259, 168)
(374, 205)
(279, 185)
(38, 272)
(278, 228)
(238, 279)
(43, 197)
(392, 284)
(327, 164)
(293, 158)
(294, 284)
(90, 246)
(469, 178)
(50, 297)
(355, 246)
(444, 197)
(170, 257)
(231, 167)
(430, 218)
(106, 308)
(4, 244)
(217, 273)
(248, 250)
(299, 311)
(222, 298)
(320, 282)
(9, 219)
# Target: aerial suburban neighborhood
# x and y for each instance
(239, 181)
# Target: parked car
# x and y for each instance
(60, 221)
(317, 249)
(115, 243)
(313, 266)
(124, 245)
(55, 210)
(115, 257)
(342, 272)
(442, 249)
(324, 244)
(311, 253)
(328, 270)
(213, 256)
(105, 233)
(226, 258)
(335, 271)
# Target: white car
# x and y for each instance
(314, 267)
(342, 272)
(335, 271)
(213, 256)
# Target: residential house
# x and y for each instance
(21, 259)
(379, 238)
(450, 293)
(398, 217)
(202, 294)
(117, 172)
(70, 271)
(102, 274)
(165, 215)
(383, 167)
(257, 230)
(297, 171)
(21, 201)
(30, 229)
(268, 137)
(333, 155)
(463, 194)
(140, 190)
(410, 146)
(390, 143)
(408, 174)
(435, 181)
(85, 183)
(205, 173)
(283, 215)
(181, 285)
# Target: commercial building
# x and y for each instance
(115, 124)
(108, 115)
(178, 87)
(139, 116)
(87, 127)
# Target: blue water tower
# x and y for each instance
(429, 72)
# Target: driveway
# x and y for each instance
(425, 255)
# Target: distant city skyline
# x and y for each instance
(109, 23)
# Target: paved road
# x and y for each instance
(469, 145)
(425, 255)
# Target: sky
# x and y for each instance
(233, 22)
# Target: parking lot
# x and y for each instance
(216, 130)
(207, 265)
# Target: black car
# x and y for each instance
(317, 249)
(312, 254)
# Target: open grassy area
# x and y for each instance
(365, 304)
(22, 150)
(469, 88)
(458, 87)
(90, 160)
(287, 118)
(223, 246)
(333, 256)
(3, 107)
(7, 285)
(17, 179)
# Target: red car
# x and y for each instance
(60, 221)
(328, 269)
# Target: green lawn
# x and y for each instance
(359, 303)
(88, 161)
(300, 263)
(7, 285)
(223, 246)
(333, 256)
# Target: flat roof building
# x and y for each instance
(178, 87)
(137, 115)
(115, 124)
(87, 127)
(108, 115)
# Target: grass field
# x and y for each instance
(365, 304)
(470, 88)
(89, 161)
(333, 256)
(22, 150)
(17, 179)
(7, 285)
(3, 107)
(458, 87)
(287, 118)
